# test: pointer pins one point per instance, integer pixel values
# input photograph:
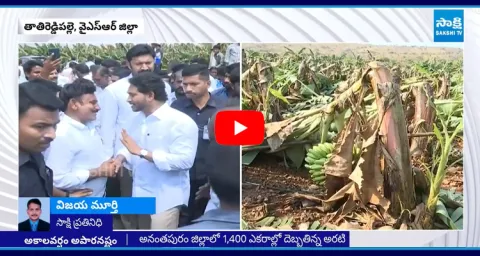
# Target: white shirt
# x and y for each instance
(213, 84)
(232, 55)
(99, 94)
(172, 137)
(76, 150)
(89, 63)
(214, 202)
(119, 113)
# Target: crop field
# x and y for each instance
(357, 137)
(179, 53)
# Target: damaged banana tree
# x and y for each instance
(387, 183)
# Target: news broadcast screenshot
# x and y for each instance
(227, 129)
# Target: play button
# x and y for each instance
(239, 128)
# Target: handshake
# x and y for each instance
(109, 168)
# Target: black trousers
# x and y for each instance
(122, 186)
(196, 208)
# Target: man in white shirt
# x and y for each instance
(90, 61)
(160, 145)
(140, 59)
(76, 154)
(232, 55)
(101, 79)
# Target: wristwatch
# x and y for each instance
(143, 153)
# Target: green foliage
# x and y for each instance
(81, 51)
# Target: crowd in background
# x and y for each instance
(130, 128)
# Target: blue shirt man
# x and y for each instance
(34, 223)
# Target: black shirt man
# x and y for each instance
(38, 116)
(200, 105)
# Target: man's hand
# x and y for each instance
(49, 65)
(81, 193)
(130, 144)
(107, 168)
(203, 192)
(117, 164)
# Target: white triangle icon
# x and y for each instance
(239, 128)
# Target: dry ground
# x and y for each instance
(268, 185)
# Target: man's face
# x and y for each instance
(215, 50)
(37, 129)
(53, 76)
(102, 81)
(195, 87)
(227, 83)
(85, 108)
(34, 211)
(213, 72)
(178, 82)
(35, 73)
(142, 64)
(137, 100)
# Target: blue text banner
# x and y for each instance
(178, 239)
(104, 205)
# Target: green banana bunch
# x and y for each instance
(316, 159)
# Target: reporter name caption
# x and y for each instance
(111, 205)
(81, 27)
(174, 239)
(84, 223)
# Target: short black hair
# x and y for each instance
(196, 69)
(110, 63)
(178, 67)
(198, 60)
(221, 71)
(120, 72)
(172, 64)
(82, 69)
(99, 69)
(72, 64)
(217, 46)
(94, 68)
(231, 67)
(234, 75)
(34, 201)
(140, 50)
(90, 58)
(38, 93)
(224, 166)
(98, 61)
(75, 90)
(30, 64)
(161, 72)
(147, 82)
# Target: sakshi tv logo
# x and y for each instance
(448, 26)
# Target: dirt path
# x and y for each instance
(268, 189)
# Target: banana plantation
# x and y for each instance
(353, 142)
(171, 52)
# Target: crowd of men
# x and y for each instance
(130, 129)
